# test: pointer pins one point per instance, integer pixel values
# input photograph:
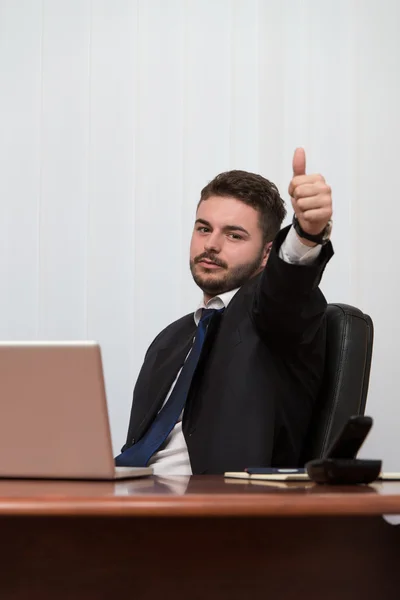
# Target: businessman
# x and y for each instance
(234, 384)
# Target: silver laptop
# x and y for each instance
(54, 420)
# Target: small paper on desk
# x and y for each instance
(300, 475)
(292, 475)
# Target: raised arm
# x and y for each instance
(288, 305)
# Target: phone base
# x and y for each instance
(338, 471)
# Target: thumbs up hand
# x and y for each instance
(311, 197)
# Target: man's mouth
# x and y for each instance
(209, 264)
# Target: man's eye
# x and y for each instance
(203, 229)
(235, 236)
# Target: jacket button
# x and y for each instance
(133, 440)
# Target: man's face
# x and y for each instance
(227, 245)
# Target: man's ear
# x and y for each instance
(266, 253)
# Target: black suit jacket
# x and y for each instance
(258, 377)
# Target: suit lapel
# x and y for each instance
(229, 334)
(231, 325)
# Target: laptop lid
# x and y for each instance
(53, 411)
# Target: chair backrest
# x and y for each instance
(349, 342)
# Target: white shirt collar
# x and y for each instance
(217, 302)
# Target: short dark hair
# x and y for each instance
(254, 190)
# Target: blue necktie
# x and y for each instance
(140, 453)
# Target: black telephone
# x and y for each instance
(340, 465)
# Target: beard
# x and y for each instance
(226, 279)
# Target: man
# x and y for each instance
(234, 385)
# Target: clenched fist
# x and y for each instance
(311, 197)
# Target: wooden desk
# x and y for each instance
(204, 538)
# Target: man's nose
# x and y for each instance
(213, 243)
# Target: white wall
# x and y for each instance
(114, 114)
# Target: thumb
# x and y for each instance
(299, 162)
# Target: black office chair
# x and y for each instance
(350, 335)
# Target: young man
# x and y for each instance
(234, 384)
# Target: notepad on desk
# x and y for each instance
(269, 474)
(273, 474)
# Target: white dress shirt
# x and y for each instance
(173, 456)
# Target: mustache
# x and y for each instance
(212, 258)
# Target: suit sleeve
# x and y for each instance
(288, 306)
